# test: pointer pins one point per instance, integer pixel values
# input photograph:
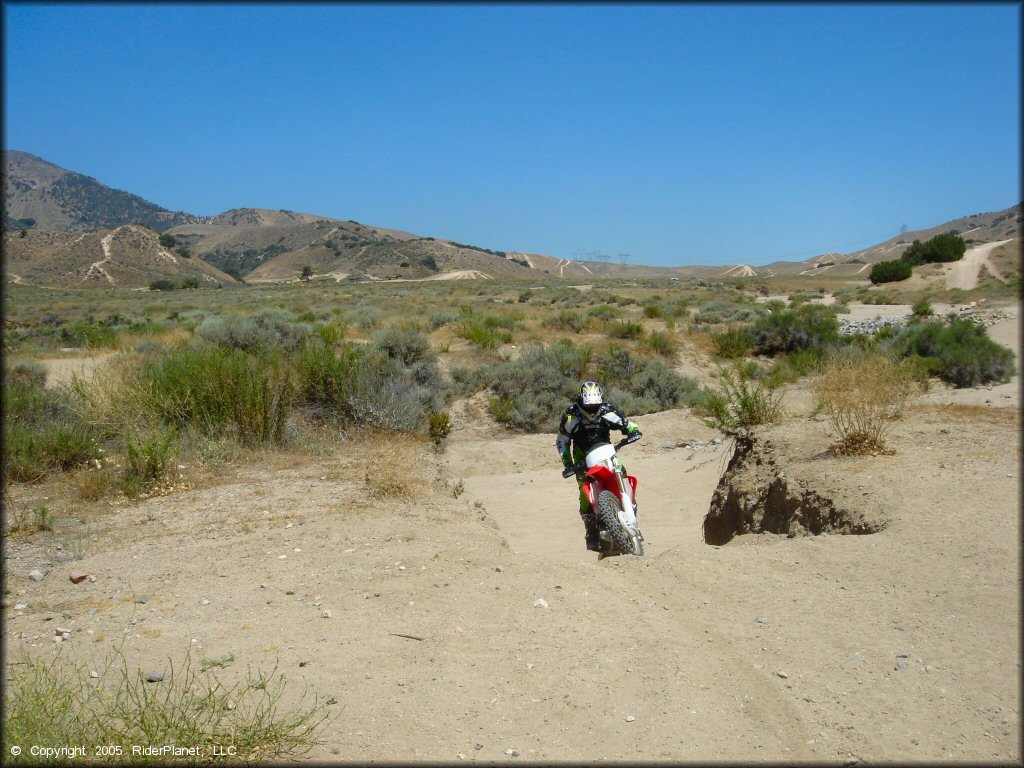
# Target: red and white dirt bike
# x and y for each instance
(612, 496)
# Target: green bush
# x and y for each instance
(625, 330)
(810, 325)
(568, 320)
(890, 271)
(605, 312)
(741, 401)
(86, 333)
(941, 248)
(732, 344)
(659, 343)
(148, 459)
(791, 366)
(212, 388)
(961, 353)
(43, 429)
(922, 308)
(362, 387)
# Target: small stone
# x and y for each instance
(782, 674)
(78, 576)
(630, 718)
(20, 606)
(512, 752)
(335, 751)
(478, 746)
(460, 631)
(540, 602)
(36, 575)
(66, 614)
(142, 600)
(154, 677)
(94, 674)
(761, 620)
(902, 627)
(49, 616)
(901, 665)
(498, 569)
(902, 655)
(325, 614)
(205, 602)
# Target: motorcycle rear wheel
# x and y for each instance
(608, 508)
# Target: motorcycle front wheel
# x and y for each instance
(608, 508)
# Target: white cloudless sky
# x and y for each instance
(677, 133)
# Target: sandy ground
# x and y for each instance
(423, 616)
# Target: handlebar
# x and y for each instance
(572, 469)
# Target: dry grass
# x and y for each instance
(969, 414)
(398, 467)
(861, 396)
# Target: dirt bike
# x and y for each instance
(612, 496)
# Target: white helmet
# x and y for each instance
(591, 396)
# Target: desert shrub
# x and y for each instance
(716, 312)
(271, 328)
(732, 344)
(85, 333)
(404, 344)
(147, 461)
(332, 333)
(653, 310)
(861, 396)
(484, 337)
(531, 392)
(439, 425)
(660, 343)
(740, 401)
(54, 703)
(791, 366)
(642, 385)
(961, 353)
(466, 380)
(212, 388)
(363, 387)
(811, 325)
(922, 308)
(605, 312)
(625, 329)
(890, 271)
(43, 431)
(441, 319)
(568, 320)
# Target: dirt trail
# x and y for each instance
(424, 619)
(963, 274)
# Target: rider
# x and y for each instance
(585, 424)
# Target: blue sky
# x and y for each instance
(676, 133)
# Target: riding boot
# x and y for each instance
(590, 523)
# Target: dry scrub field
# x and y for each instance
(439, 604)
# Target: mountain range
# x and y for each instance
(62, 228)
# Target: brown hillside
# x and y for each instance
(126, 257)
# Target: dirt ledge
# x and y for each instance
(775, 484)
